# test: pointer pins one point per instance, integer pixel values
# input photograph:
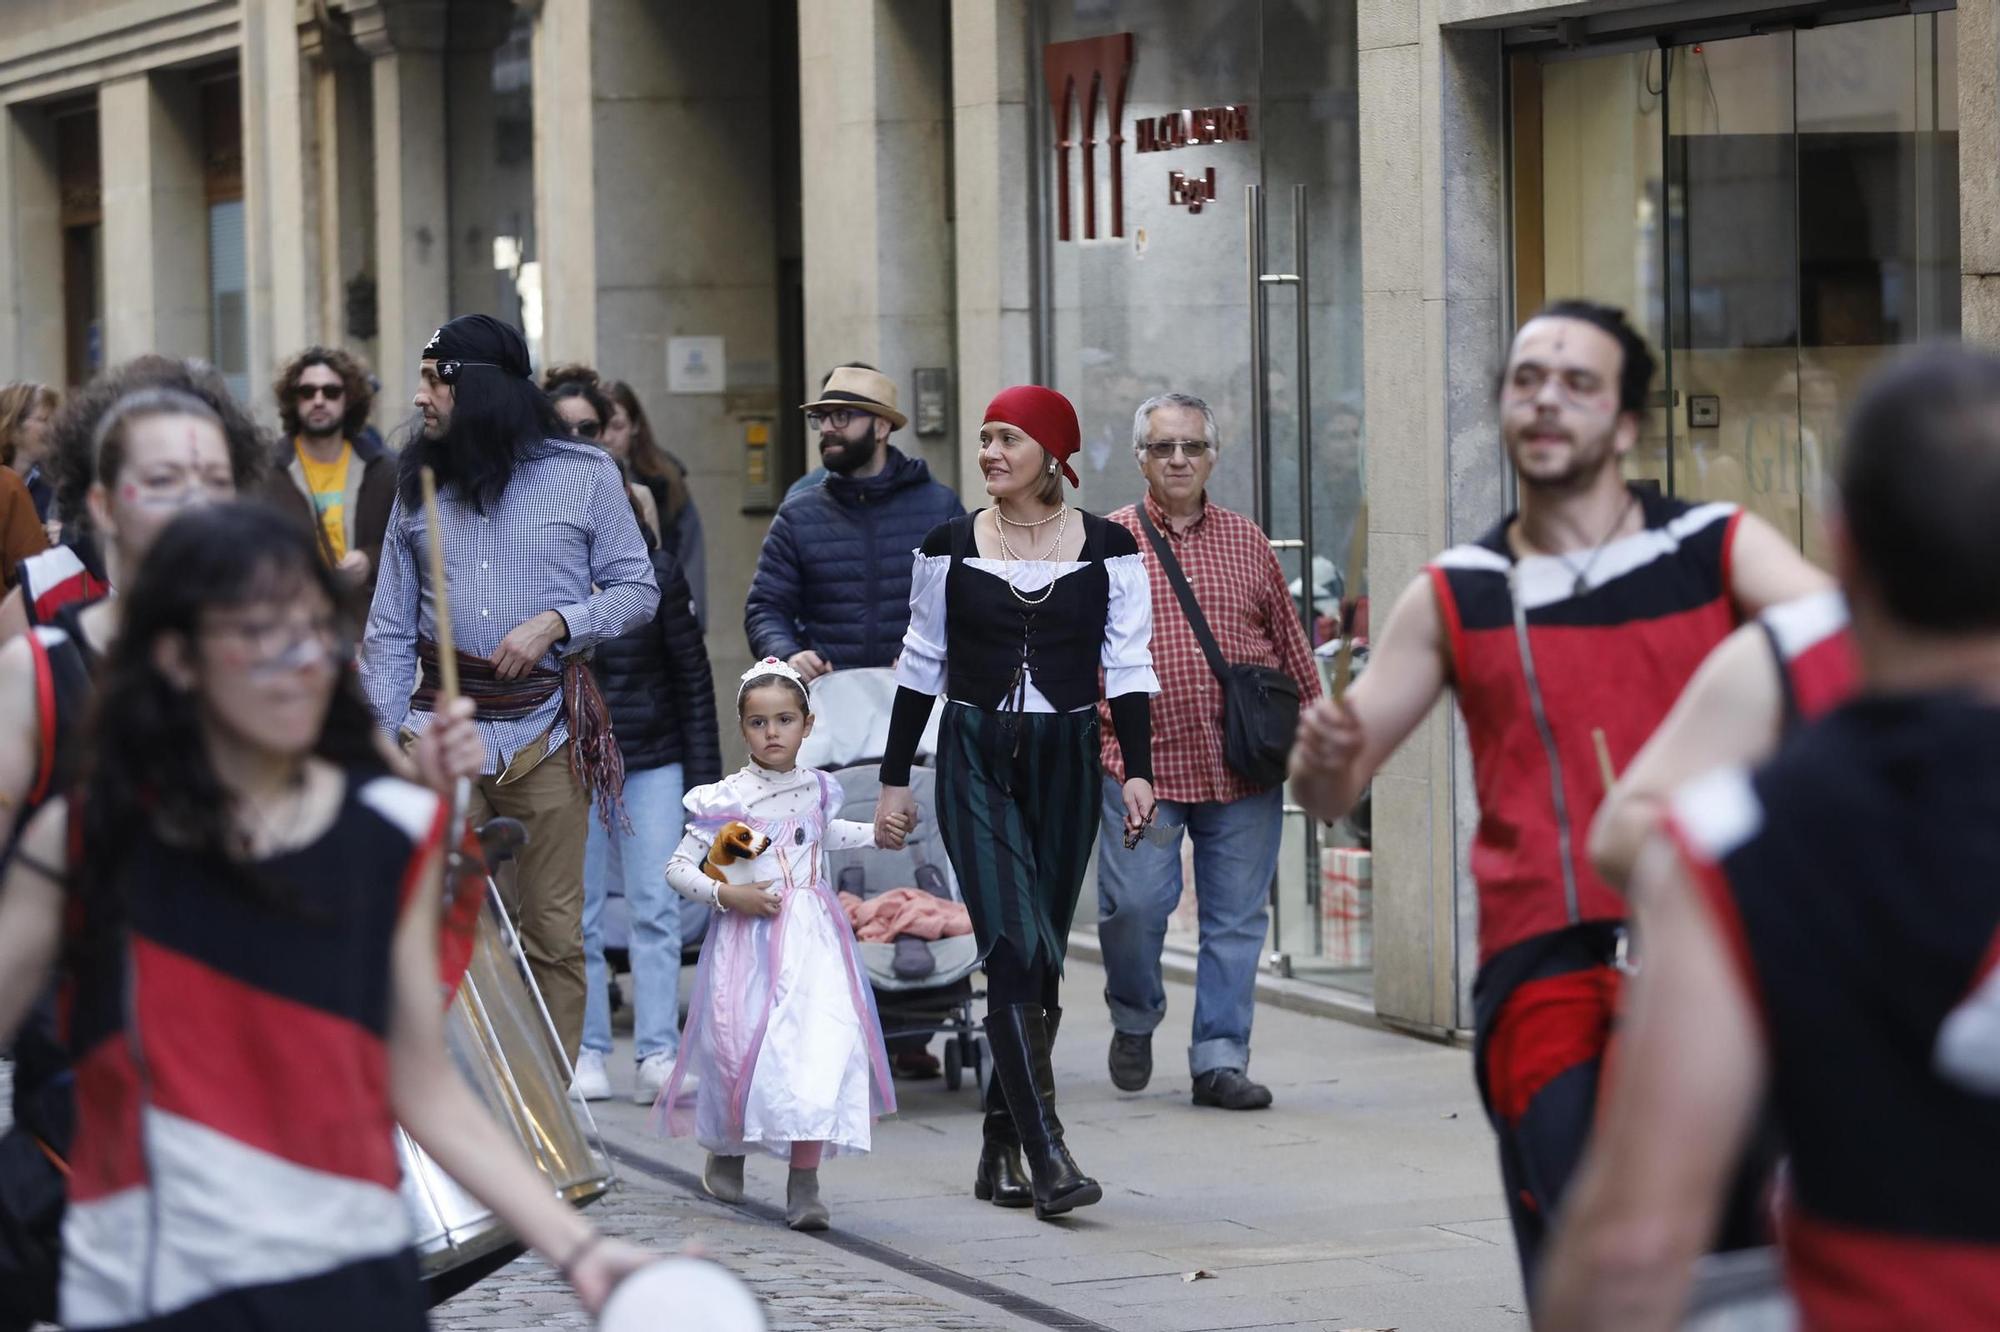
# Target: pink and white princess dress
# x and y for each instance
(782, 1032)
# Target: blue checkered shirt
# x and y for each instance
(561, 537)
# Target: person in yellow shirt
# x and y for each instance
(331, 471)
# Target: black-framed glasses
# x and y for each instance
(331, 392)
(586, 429)
(839, 418)
(1193, 449)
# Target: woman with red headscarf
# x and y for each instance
(1013, 612)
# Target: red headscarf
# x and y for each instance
(1045, 416)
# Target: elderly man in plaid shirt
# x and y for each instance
(1235, 825)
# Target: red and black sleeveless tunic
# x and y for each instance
(1855, 880)
(64, 666)
(60, 576)
(235, 1162)
(1541, 657)
(1814, 645)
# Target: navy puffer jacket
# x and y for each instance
(834, 574)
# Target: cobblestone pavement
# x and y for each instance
(803, 1282)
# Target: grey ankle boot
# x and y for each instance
(722, 1176)
(803, 1209)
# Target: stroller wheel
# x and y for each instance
(954, 1067)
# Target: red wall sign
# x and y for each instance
(1082, 74)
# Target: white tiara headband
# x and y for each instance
(764, 670)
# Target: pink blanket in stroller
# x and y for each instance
(903, 911)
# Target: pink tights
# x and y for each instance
(805, 1155)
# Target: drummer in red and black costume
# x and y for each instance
(1825, 930)
(1586, 611)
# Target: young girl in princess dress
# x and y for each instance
(783, 1049)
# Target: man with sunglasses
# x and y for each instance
(832, 588)
(331, 471)
(1566, 633)
(1235, 821)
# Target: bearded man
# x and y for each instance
(544, 560)
(832, 588)
(1582, 614)
(330, 471)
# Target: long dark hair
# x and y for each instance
(650, 463)
(146, 764)
(498, 421)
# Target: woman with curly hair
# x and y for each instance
(330, 471)
(629, 438)
(656, 682)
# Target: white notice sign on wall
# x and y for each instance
(695, 365)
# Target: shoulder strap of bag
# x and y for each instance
(1185, 595)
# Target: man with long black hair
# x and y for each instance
(544, 560)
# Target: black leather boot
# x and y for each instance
(1001, 1179)
(1019, 1035)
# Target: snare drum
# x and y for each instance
(499, 1037)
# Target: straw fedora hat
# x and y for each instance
(869, 391)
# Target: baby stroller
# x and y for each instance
(922, 987)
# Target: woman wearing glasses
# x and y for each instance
(657, 684)
(1014, 610)
(330, 470)
(245, 906)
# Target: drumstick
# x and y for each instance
(440, 599)
(461, 791)
(1604, 768)
(1357, 557)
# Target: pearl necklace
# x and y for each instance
(1007, 553)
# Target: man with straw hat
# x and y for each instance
(1566, 633)
(543, 560)
(832, 588)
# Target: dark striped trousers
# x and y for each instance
(1017, 808)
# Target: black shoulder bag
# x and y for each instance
(1260, 705)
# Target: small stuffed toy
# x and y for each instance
(729, 856)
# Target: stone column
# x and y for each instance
(1979, 172)
(155, 218)
(282, 249)
(404, 40)
(31, 295)
(1432, 315)
(566, 217)
(878, 235)
(341, 185)
(991, 119)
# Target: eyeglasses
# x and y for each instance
(839, 418)
(277, 647)
(1193, 449)
(331, 392)
(586, 429)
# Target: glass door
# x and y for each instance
(1165, 122)
(1779, 212)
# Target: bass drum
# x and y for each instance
(499, 1035)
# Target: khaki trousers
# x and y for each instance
(543, 886)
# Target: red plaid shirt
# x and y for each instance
(1241, 590)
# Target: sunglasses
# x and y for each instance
(331, 392)
(1194, 449)
(586, 430)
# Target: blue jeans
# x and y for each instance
(637, 862)
(1235, 855)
